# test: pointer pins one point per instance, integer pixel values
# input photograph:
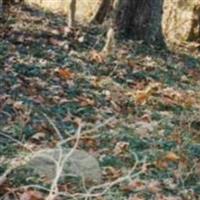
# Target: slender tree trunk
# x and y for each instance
(111, 34)
(7, 2)
(72, 12)
(102, 12)
(5, 5)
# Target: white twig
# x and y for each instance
(98, 126)
(4, 134)
(105, 187)
(3, 178)
(92, 192)
(60, 165)
(54, 127)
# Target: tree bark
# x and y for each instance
(72, 12)
(139, 19)
(142, 19)
(5, 4)
(111, 33)
(102, 12)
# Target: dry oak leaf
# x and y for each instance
(154, 186)
(56, 42)
(142, 96)
(120, 148)
(85, 101)
(64, 73)
(172, 94)
(112, 173)
(187, 100)
(64, 30)
(97, 57)
(161, 164)
(171, 156)
(18, 105)
(39, 136)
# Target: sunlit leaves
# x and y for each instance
(64, 73)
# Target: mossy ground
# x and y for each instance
(151, 95)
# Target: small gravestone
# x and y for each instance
(80, 164)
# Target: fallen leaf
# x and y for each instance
(120, 148)
(64, 30)
(154, 186)
(38, 136)
(56, 42)
(97, 57)
(112, 173)
(81, 39)
(131, 63)
(18, 105)
(64, 73)
(171, 156)
(161, 164)
(141, 97)
(84, 101)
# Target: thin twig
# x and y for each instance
(60, 165)
(98, 126)
(6, 135)
(54, 127)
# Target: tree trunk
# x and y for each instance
(110, 38)
(101, 13)
(72, 12)
(5, 4)
(140, 19)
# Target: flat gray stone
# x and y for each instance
(79, 163)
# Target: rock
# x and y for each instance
(79, 163)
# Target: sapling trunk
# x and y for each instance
(72, 13)
(110, 37)
(110, 41)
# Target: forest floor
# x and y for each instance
(138, 107)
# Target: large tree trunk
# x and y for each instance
(140, 19)
(174, 23)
